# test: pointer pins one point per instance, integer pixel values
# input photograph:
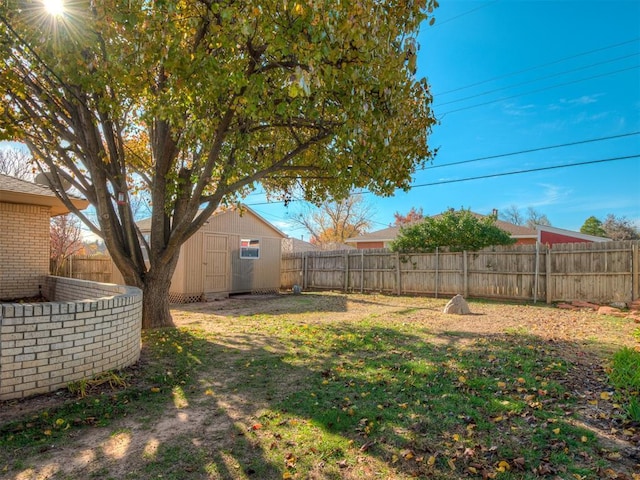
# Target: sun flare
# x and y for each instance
(54, 7)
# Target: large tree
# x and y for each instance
(619, 228)
(16, 163)
(412, 216)
(334, 221)
(66, 239)
(198, 102)
(512, 214)
(593, 226)
(456, 229)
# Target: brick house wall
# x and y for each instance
(24, 256)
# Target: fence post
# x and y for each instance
(635, 268)
(304, 271)
(346, 271)
(465, 275)
(361, 271)
(398, 273)
(537, 273)
(437, 262)
(548, 276)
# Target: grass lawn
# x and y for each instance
(329, 386)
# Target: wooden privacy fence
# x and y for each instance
(598, 272)
(97, 268)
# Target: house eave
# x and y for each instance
(56, 207)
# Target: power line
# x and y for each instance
(437, 24)
(564, 59)
(492, 175)
(530, 150)
(508, 154)
(539, 90)
(539, 78)
(517, 172)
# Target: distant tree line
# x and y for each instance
(615, 228)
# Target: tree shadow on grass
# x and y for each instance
(342, 401)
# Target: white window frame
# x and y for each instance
(250, 245)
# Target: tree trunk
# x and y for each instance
(155, 299)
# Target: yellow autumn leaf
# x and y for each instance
(47, 432)
(286, 475)
(472, 470)
(584, 439)
(605, 396)
(155, 389)
(521, 380)
(431, 461)
(394, 459)
(503, 466)
(462, 379)
(556, 431)
(60, 422)
(502, 385)
(456, 437)
(408, 455)
(452, 463)
(209, 392)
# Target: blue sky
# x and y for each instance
(512, 75)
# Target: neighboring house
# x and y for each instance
(548, 235)
(236, 251)
(383, 238)
(25, 245)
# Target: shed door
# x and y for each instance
(216, 263)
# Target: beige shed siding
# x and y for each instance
(202, 262)
(191, 256)
(24, 249)
(257, 275)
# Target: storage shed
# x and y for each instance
(236, 251)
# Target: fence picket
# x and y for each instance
(598, 272)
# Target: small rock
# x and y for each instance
(618, 305)
(457, 306)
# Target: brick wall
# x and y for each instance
(45, 346)
(24, 249)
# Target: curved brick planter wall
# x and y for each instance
(89, 329)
